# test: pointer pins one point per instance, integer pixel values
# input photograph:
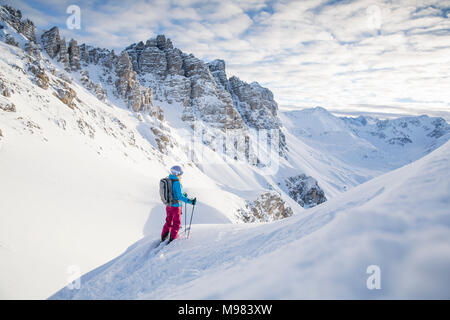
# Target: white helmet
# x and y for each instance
(176, 171)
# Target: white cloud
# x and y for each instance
(353, 53)
(218, 10)
(232, 28)
(182, 13)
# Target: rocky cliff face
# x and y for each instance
(128, 87)
(145, 76)
(51, 41)
(74, 55)
(14, 17)
(179, 77)
(269, 206)
(156, 71)
(202, 89)
(254, 104)
(304, 190)
(56, 47)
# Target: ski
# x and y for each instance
(153, 250)
(161, 246)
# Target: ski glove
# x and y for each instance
(185, 194)
(194, 201)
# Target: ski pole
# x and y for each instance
(192, 214)
(185, 218)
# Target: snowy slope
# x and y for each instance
(78, 186)
(399, 222)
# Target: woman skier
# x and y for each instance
(173, 211)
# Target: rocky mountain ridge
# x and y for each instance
(156, 71)
(141, 78)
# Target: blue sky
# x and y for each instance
(362, 55)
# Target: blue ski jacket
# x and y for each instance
(177, 190)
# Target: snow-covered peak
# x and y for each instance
(313, 122)
(368, 142)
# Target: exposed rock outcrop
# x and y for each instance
(212, 102)
(4, 90)
(63, 55)
(137, 97)
(8, 107)
(161, 138)
(156, 56)
(74, 55)
(85, 128)
(441, 127)
(161, 132)
(304, 190)
(96, 88)
(268, 207)
(28, 29)
(14, 18)
(255, 104)
(51, 42)
(84, 54)
(126, 77)
(56, 47)
(10, 40)
(153, 60)
(217, 69)
(32, 49)
(41, 78)
(66, 94)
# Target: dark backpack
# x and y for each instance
(166, 191)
